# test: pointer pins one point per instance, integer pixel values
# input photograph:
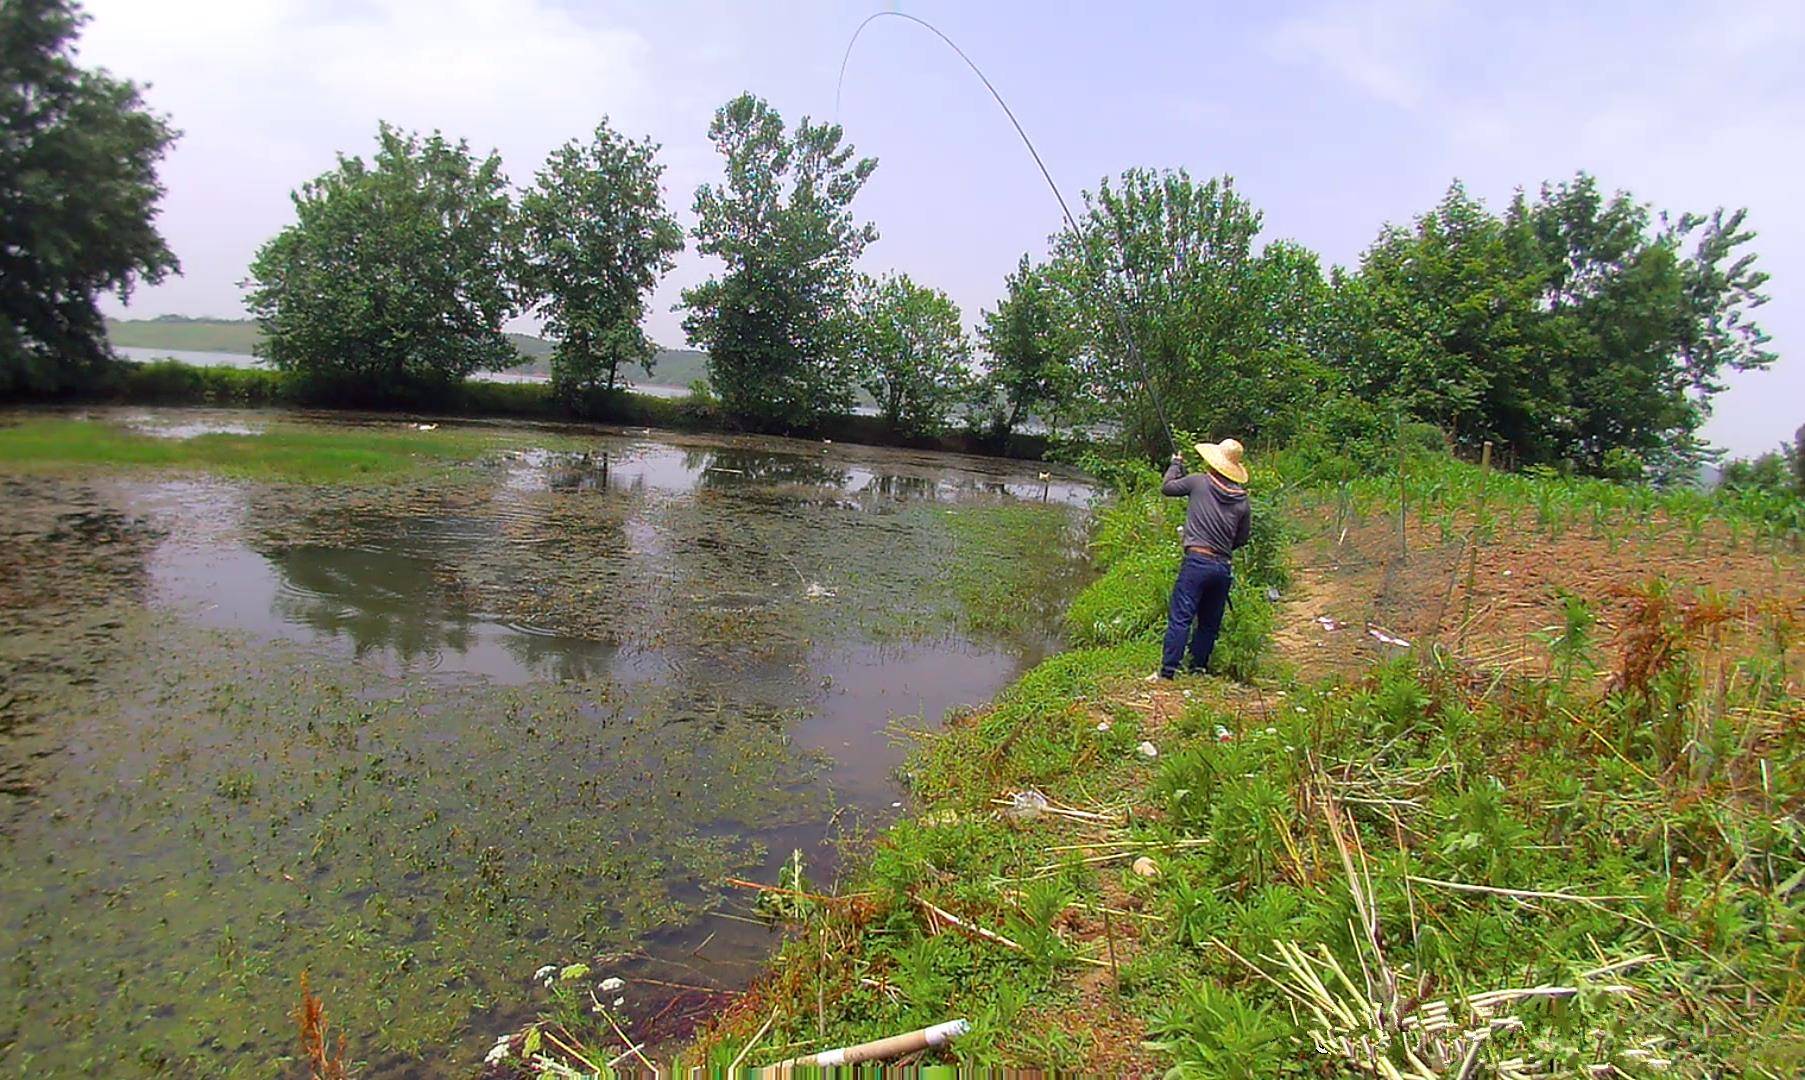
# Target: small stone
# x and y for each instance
(1148, 750)
(1146, 867)
(1102, 726)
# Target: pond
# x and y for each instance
(418, 738)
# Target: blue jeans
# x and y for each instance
(1200, 596)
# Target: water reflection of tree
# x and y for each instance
(585, 471)
(736, 466)
(899, 487)
(559, 657)
(380, 600)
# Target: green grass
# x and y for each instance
(316, 455)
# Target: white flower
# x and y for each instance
(499, 1051)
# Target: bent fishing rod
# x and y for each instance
(1101, 291)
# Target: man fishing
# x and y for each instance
(1216, 523)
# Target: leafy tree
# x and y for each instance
(1225, 330)
(774, 322)
(1568, 328)
(1798, 460)
(911, 352)
(1771, 471)
(1031, 349)
(597, 238)
(78, 198)
(394, 281)
(1436, 323)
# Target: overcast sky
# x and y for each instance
(1334, 118)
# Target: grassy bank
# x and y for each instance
(280, 452)
(172, 382)
(1438, 864)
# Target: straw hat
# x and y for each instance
(1225, 458)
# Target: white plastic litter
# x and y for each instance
(1027, 805)
(1102, 726)
(1223, 734)
(1386, 638)
(608, 986)
(1147, 750)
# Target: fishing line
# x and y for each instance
(1114, 305)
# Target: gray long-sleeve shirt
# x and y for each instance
(1217, 515)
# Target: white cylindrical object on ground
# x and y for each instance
(894, 1046)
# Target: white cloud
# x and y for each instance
(1377, 47)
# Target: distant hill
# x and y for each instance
(180, 332)
(674, 367)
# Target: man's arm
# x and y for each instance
(1176, 483)
(1244, 528)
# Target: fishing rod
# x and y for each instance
(1114, 305)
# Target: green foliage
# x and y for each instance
(1032, 347)
(1570, 329)
(171, 382)
(78, 199)
(774, 322)
(1216, 1032)
(393, 282)
(597, 239)
(909, 352)
(1776, 472)
(1225, 330)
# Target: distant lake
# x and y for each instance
(245, 360)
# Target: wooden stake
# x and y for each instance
(1485, 474)
(1109, 936)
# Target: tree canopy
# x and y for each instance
(78, 198)
(597, 237)
(396, 277)
(910, 352)
(1568, 328)
(1224, 328)
(774, 322)
(1031, 349)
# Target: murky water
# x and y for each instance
(420, 738)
